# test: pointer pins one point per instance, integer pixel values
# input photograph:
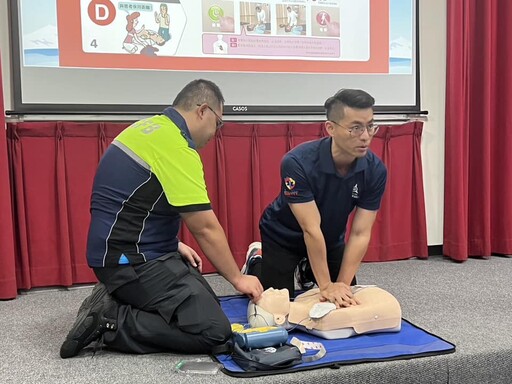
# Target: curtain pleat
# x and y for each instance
(18, 207)
(216, 177)
(59, 236)
(255, 188)
(53, 164)
(7, 253)
(418, 212)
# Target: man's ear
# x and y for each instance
(201, 111)
(329, 127)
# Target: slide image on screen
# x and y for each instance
(291, 19)
(326, 44)
(329, 32)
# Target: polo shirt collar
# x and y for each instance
(327, 162)
(180, 122)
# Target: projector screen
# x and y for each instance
(273, 57)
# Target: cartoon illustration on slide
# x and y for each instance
(133, 39)
(163, 21)
(141, 39)
(255, 17)
(218, 16)
(151, 28)
(325, 21)
(220, 47)
(291, 19)
(151, 39)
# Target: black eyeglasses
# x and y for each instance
(357, 130)
(220, 122)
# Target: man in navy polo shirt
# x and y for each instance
(322, 182)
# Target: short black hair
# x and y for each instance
(352, 98)
(198, 92)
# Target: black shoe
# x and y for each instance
(90, 323)
(304, 275)
(96, 290)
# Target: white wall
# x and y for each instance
(433, 81)
(433, 84)
(6, 55)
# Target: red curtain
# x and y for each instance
(400, 231)
(7, 274)
(478, 176)
(53, 164)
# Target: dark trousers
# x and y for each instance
(164, 305)
(278, 265)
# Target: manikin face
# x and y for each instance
(346, 144)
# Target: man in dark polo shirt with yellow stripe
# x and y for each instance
(151, 296)
(322, 182)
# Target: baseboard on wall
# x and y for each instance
(435, 250)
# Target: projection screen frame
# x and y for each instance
(21, 108)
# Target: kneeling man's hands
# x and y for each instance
(340, 294)
(250, 286)
(191, 256)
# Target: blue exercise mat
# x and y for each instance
(410, 342)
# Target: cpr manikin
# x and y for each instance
(378, 311)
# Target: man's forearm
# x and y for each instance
(214, 245)
(355, 249)
(210, 236)
(317, 254)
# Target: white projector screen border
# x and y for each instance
(49, 90)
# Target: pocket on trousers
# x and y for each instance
(174, 265)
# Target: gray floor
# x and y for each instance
(465, 303)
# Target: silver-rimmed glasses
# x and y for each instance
(357, 130)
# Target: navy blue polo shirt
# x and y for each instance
(308, 173)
